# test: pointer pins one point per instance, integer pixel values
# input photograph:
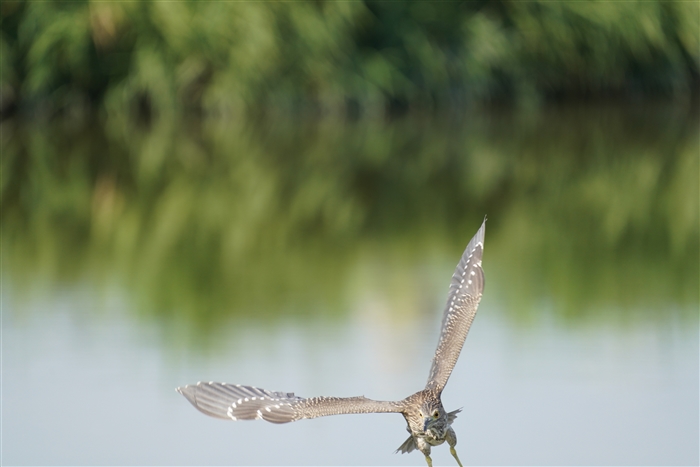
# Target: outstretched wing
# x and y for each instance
(465, 293)
(236, 402)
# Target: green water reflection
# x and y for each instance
(593, 212)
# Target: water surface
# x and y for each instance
(315, 258)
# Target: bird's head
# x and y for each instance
(434, 419)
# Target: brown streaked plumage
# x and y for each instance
(428, 422)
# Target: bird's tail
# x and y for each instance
(407, 446)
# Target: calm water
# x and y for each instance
(317, 261)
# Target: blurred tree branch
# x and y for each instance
(231, 58)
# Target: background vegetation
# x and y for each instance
(355, 57)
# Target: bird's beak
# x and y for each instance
(426, 423)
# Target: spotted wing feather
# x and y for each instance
(237, 402)
(466, 288)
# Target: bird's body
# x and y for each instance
(428, 422)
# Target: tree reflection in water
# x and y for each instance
(205, 220)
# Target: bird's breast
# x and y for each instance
(433, 440)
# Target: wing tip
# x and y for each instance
(479, 236)
(189, 392)
(477, 239)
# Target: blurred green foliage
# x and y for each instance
(367, 58)
(595, 209)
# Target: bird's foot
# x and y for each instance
(429, 461)
(454, 454)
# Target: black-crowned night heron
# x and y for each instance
(428, 422)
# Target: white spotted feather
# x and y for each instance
(465, 292)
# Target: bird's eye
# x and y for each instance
(436, 414)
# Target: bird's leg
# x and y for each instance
(454, 454)
(451, 438)
(424, 447)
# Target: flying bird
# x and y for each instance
(429, 424)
